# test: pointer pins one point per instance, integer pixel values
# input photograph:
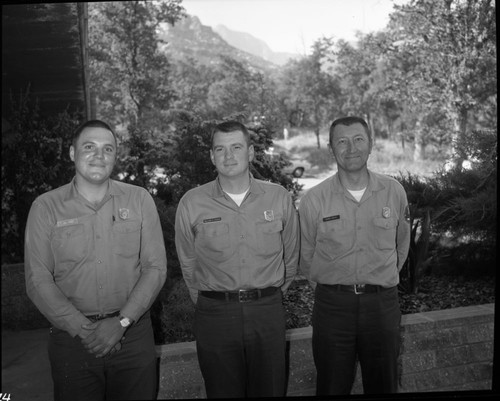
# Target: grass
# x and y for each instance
(387, 157)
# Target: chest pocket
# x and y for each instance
(127, 238)
(213, 240)
(385, 232)
(269, 237)
(69, 244)
(334, 237)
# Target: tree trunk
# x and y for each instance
(419, 152)
(460, 136)
(370, 126)
(316, 131)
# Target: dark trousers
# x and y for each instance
(241, 347)
(348, 327)
(129, 374)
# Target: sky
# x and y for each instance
(293, 25)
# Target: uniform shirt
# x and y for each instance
(82, 259)
(348, 242)
(223, 247)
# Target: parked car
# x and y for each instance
(296, 169)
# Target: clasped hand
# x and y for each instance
(103, 337)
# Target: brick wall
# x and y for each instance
(447, 350)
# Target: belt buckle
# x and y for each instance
(247, 295)
(359, 289)
(100, 316)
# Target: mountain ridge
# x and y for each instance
(250, 44)
(190, 38)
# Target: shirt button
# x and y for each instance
(242, 236)
(99, 261)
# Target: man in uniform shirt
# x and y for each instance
(355, 238)
(237, 239)
(95, 261)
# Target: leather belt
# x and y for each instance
(240, 295)
(356, 288)
(96, 318)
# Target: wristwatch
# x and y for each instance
(125, 321)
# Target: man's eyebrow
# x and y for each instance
(94, 143)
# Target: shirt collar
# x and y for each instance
(255, 187)
(113, 189)
(374, 183)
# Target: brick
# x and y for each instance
(479, 332)
(482, 351)
(453, 356)
(418, 361)
(481, 370)
(479, 385)
(429, 340)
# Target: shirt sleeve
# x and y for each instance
(308, 229)
(39, 268)
(403, 231)
(153, 261)
(184, 243)
(291, 242)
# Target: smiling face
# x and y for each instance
(351, 147)
(231, 154)
(94, 155)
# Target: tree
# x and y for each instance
(129, 74)
(356, 68)
(452, 47)
(191, 82)
(308, 91)
(232, 91)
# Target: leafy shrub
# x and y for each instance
(35, 159)
(456, 210)
(172, 314)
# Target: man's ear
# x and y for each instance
(212, 157)
(251, 153)
(72, 153)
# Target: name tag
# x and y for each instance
(62, 223)
(212, 220)
(330, 218)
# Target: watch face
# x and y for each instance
(125, 322)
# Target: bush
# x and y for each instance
(455, 212)
(172, 313)
(35, 159)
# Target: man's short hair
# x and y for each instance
(349, 120)
(230, 126)
(92, 124)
